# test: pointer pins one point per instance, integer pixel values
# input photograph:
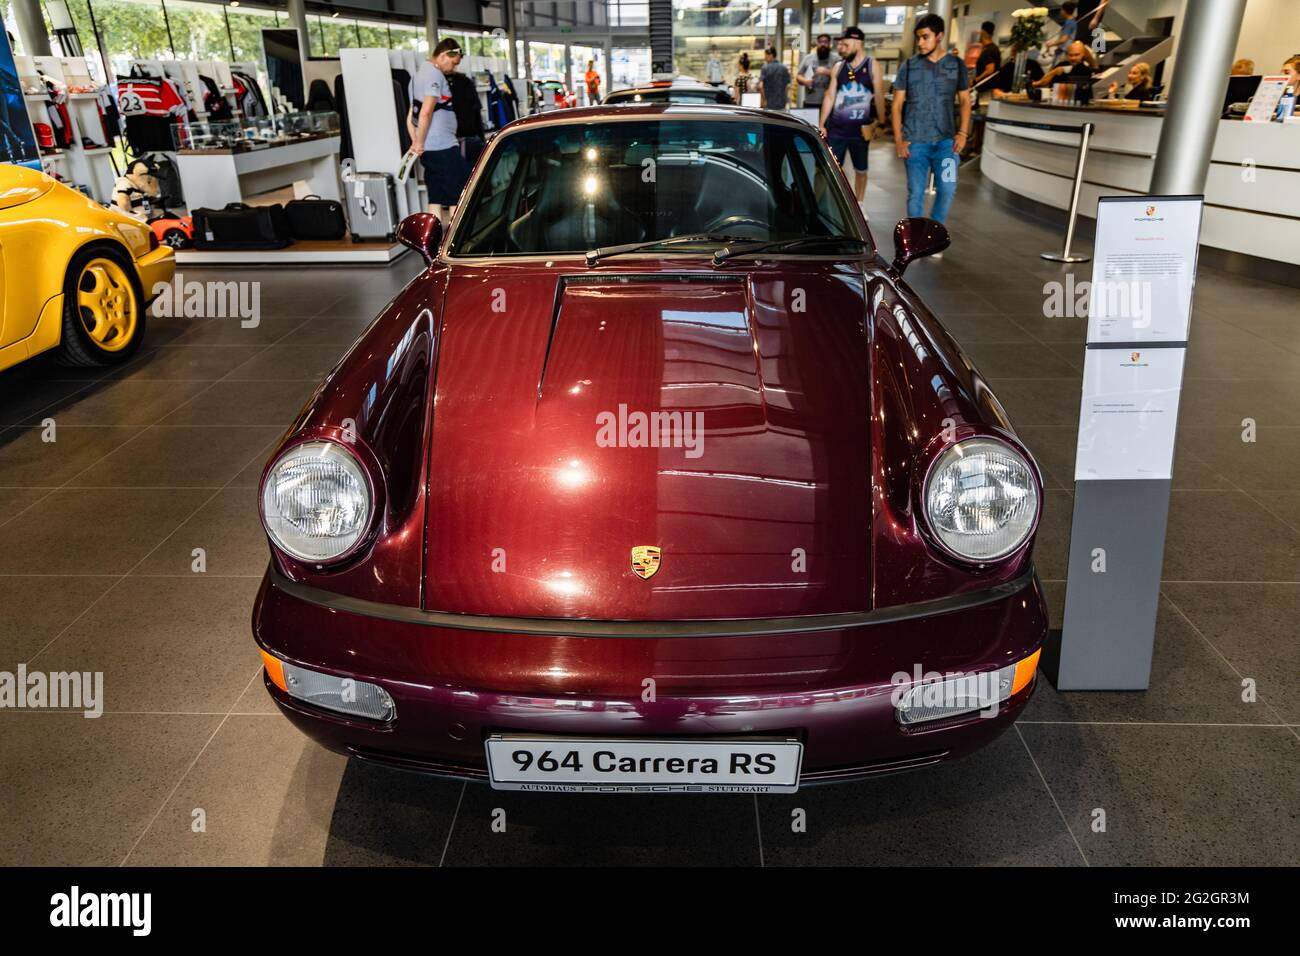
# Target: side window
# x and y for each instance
(490, 215)
(823, 189)
(498, 184)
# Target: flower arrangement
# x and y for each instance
(1027, 30)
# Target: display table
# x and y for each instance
(1252, 192)
(213, 177)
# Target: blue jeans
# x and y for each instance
(921, 158)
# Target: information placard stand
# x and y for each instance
(1140, 305)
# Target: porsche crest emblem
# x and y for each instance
(645, 560)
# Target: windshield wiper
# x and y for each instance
(781, 245)
(595, 255)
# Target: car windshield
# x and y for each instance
(669, 94)
(573, 187)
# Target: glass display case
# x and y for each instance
(218, 134)
(256, 133)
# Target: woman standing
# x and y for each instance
(744, 81)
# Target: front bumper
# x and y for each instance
(832, 688)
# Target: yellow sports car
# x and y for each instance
(73, 275)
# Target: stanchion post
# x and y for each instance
(1085, 134)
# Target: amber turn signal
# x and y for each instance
(274, 670)
(1025, 672)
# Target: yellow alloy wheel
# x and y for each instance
(107, 304)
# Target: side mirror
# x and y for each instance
(916, 239)
(422, 231)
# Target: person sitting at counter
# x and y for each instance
(1286, 107)
(1292, 70)
(1139, 84)
(1077, 67)
(1242, 68)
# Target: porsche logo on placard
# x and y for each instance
(1151, 210)
(645, 560)
(1135, 356)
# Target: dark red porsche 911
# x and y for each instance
(659, 477)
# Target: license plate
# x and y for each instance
(564, 765)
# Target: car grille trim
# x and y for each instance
(710, 627)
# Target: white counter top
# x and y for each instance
(1252, 192)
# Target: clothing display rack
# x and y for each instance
(62, 95)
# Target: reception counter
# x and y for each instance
(1252, 193)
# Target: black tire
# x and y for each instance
(176, 239)
(76, 347)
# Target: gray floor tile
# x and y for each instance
(29, 459)
(1254, 627)
(229, 532)
(38, 608)
(179, 457)
(989, 807)
(173, 645)
(191, 362)
(261, 762)
(273, 404)
(386, 817)
(1190, 683)
(1050, 401)
(308, 363)
(1226, 536)
(89, 787)
(1005, 360)
(99, 530)
(632, 830)
(1175, 796)
(131, 403)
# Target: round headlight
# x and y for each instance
(981, 499)
(316, 501)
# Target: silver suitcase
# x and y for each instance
(372, 206)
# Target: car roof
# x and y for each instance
(679, 83)
(650, 111)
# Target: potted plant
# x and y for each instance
(1026, 35)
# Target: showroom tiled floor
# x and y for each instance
(152, 460)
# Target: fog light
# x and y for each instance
(966, 694)
(346, 695)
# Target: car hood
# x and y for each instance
(579, 416)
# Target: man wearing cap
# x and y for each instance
(434, 141)
(852, 102)
(925, 134)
